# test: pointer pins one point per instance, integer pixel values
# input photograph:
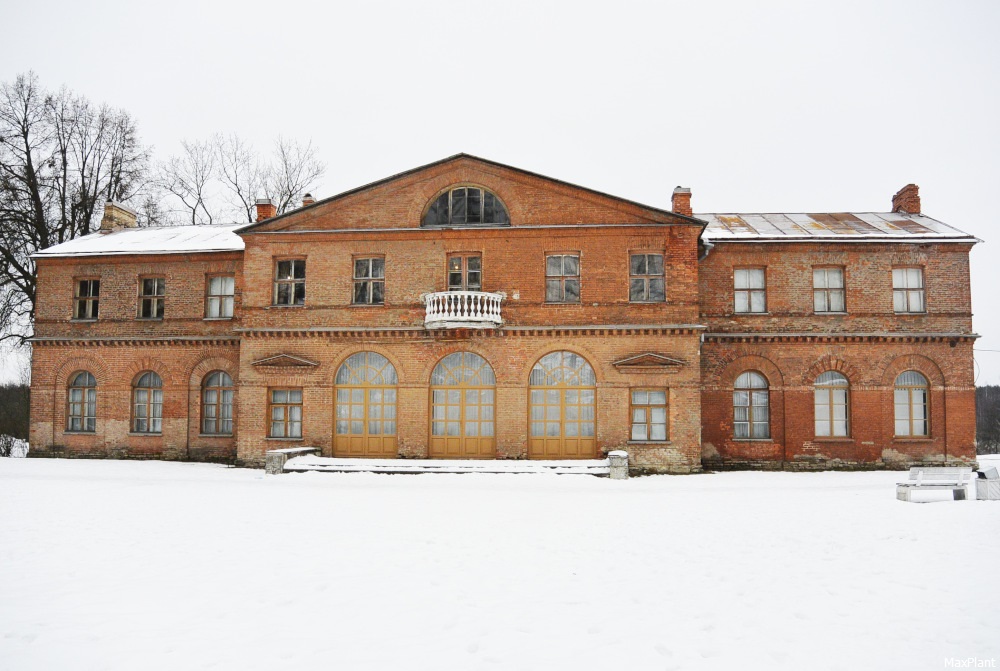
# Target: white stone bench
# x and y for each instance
(275, 460)
(923, 477)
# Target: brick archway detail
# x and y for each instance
(210, 363)
(141, 365)
(752, 362)
(77, 364)
(425, 373)
(561, 346)
(831, 362)
(347, 353)
(918, 362)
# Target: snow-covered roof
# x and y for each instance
(839, 226)
(151, 240)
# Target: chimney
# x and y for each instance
(265, 209)
(117, 217)
(907, 200)
(681, 201)
(308, 200)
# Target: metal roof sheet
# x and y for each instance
(828, 226)
(151, 240)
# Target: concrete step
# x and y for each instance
(341, 465)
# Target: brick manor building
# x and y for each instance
(468, 309)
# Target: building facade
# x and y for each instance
(468, 309)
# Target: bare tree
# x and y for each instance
(293, 172)
(243, 174)
(60, 159)
(189, 177)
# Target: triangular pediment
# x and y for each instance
(400, 201)
(285, 361)
(648, 361)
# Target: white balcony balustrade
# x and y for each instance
(462, 309)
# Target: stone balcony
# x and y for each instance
(463, 309)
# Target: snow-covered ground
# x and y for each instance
(148, 565)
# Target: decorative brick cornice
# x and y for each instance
(838, 337)
(217, 341)
(420, 333)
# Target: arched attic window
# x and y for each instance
(467, 206)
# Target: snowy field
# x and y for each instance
(151, 565)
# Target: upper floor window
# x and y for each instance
(645, 280)
(828, 290)
(562, 278)
(465, 272)
(290, 282)
(750, 290)
(82, 403)
(465, 206)
(751, 407)
(908, 290)
(86, 299)
(369, 281)
(217, 404)
(147, 404)
(219, 300)
(152, 291)
(910, 402)
(831, 405)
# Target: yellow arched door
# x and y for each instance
(562, 408)
(463, 392)
(365, 407)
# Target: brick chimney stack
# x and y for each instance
(681, 201)
(308, 200)
(265, 209)
(117, 217)
(907, 200)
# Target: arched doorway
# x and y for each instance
(561, 408)
(463, 392)
(365, 407)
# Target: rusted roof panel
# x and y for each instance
(829, 226)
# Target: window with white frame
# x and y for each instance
(751, 407)
(832, 405)
(828, 290)
(910, 405)
(908, 290)
(750, 291)
(220, 290)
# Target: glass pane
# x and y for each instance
(819, 301)
(637, 265)
(473, 214)
(637, 289)
(899, 301)
(657, 292)
(378, 267)
(658, 397)
(757, 301)
(571, 265)
(658, 432)
(837, 300)
(553, 291)
(658, 415)
(741, 430)
(458, 206)
(742, 301)
(362, 268)
(572, 291)
(756, 278)
(638, 432)
(819, 278)
(740, 279)
(655, 264)
(300, 293)
(639, 397)
(553, 266)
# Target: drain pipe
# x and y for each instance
(708, 246)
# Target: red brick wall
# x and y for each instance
(789, 346)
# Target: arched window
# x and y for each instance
(832, 405)
(147, 404)
(217, 403)
(82, 411)
(467, 206)
(462, 399)
(562, 408)
(365, 410)
(910, 401)
(751, 407)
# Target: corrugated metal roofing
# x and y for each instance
(153, 240)
(835, 225)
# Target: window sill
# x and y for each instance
(647, 302)
(648, 442)
(753, 440)
(283, 305)
(217, 319)
(215, 435)
(563, 304)
(903, 314)
(749, 314)
(149, 319)
(285, 440)
(912, 439)
(145, 434)
(833, 439)
(80, 433)
(367, 305)
(82, 321)
(829, 313)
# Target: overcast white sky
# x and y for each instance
(757, 106)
